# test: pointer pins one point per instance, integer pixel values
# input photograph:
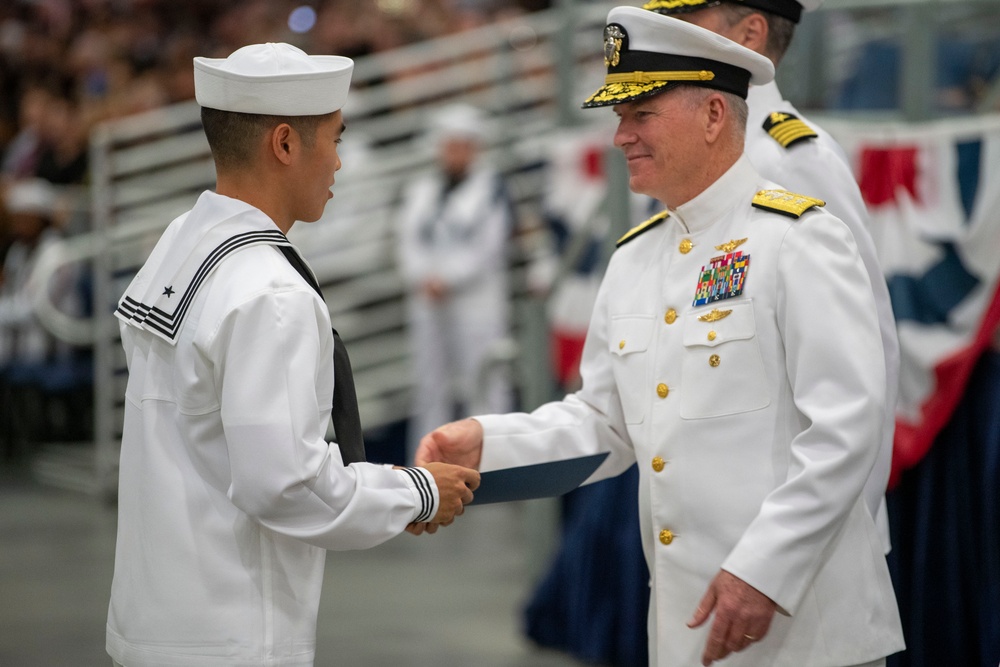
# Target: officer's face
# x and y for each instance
(320, 162)
(662, 144)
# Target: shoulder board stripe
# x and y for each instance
(787, 129)
(639, 229)
(785, 202)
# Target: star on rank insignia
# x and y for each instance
(787, 129)
(722, 278)
(168, 290)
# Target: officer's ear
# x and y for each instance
(717, 113)
(751, 32)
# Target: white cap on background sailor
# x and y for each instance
(647, 53)
(274, 79)
(789, 9)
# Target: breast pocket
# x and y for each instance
(722, 370)
(629, 338)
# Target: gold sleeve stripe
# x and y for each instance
(645, 226)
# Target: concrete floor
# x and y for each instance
(448, 600)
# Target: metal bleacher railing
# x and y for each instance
(530, 73)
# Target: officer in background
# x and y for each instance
(734, 352)
(787, 148)
(229, 493)
(454, 226)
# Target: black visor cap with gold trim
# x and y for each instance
(789, 9)
(634, 75)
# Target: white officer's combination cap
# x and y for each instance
(790, 9)
(645, 52)
(273, 79)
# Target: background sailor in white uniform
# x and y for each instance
(454, 227)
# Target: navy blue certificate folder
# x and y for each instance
(542, 480)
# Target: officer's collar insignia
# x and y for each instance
(787, 129)
(723, 278)
(731, 246)
(639, 229)
(715, 315)
(615, 38)
(785, 202)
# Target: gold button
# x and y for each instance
(662, 390)
(711, 335)
(714, 360)
(671, 316)
(621, 345)
(666, 536)
(686, 246)
(658, 463)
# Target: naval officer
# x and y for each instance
(734, 352)
(788, 148)
(229, 494)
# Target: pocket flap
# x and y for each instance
(629, 333)
(723, 322)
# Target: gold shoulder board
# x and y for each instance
(639, 229)
(787, 129)
(785, 202)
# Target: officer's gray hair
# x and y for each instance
(780, 30)
(696, 96)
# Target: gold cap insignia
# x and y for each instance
(614, 37)
(715, 315)
(731, 246)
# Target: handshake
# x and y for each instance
(451, 454)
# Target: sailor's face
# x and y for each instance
(320, 164)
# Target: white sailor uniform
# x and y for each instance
(229, 493)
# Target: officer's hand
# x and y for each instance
(459, 442)
(742, 616)
(455, 486)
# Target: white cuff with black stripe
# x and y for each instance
(425, 491)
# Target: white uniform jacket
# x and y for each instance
(817, 166)
(754, 427)
(459, 236)
(228, 491)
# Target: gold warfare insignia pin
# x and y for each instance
(731, 246)
(614, 38)
(715, 315)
